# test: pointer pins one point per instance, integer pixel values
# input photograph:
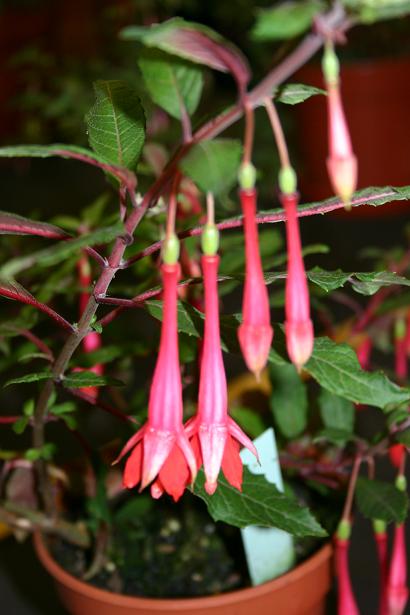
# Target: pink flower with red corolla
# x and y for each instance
(397, 592)
(214, 435)
(346, 603)
(298, 325)
(161, 449)
(255, 333)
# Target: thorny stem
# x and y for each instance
(305, 50)
(347, 510)
(278, 132)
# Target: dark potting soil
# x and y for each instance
(166, 550)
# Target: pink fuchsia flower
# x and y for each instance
(160, 448)
(255, 333)
(363, 352)
(341, 163)
(397, 592)
(400, 349)
(298, 325)
(346, 603)
(214, 435)
(380, 535)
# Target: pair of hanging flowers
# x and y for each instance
(166, 453)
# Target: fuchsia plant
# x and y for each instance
(189, 440)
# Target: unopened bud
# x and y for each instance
(247, 176)
(170, 249)
(401, 482)
(330, 65)
(287, 180)
(210, 240)
(344, 529)
(379, 526)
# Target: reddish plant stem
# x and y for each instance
(249, 131)
(278, 132)
(347, 510)
(37, 342)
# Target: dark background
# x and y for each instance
(50, 52)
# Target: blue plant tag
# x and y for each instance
(269, 551)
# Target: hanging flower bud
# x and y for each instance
(396, 453)
(400, 348)
(363, 352)
(341, 163)
(397, 592)
(298, 325)
(161, 448)
(346, 603)
(255, 333)
(380, 534)
(214, 436)
(92, 341)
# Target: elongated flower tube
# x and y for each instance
(214, 435)
(400, 349)
(346, 603)
(255, 333)
(341, 162)
(380, 534)
(160, 448)
(298, 325)
(397, 592)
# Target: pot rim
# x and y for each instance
(175, 604)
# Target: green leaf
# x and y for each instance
(336, 412)
(380, 500)
(370, 11)
(89, 379)
(259, 503)
(45, 452)
(30, 378)
(328, 280)
(59, 252)
(190, 320)
(288, 400)
(174, 85)
(370, 283)
(287, 20)
(250, 421)
(20, 425)
(337, 369)
(335, 436)
(295, 93)
(63, 408)
(213, 165)
(106, 354)
(116, 123)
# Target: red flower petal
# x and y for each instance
(196, 447)
(174, 474)
(232, 463)
(133, 468)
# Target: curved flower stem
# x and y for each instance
(305, 50)
(347, 510)
(277, 131)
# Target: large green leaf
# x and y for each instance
(116, 123)
(174, 85)
(213, 165)
(259, 503)
(337, 369)
(288, 400)
(370, 11)
(59, 252)
(370, 283)
(285, 20)
(380, 500)
(336, 412)
(328, 280)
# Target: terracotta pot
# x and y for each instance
(302, 591)
(376, 98)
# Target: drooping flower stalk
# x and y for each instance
(214, 435)
(161, 449)
(341, 162)
(397, 591)
(346, 603)
(298, 325)
(92, 341)
(380, 534)
(255, 333)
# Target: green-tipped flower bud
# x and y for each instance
(210, 240)
(170, 249)
(287, 180)
(247, 176)
(401, 482)
(330, 66)
(399, 329)
(343, 529)
(379, 526)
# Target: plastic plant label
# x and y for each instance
(269, 551)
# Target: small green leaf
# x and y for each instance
(45, 452)
(336, 412)
(106, 354)
(213, 165)
(295, 93)
(370, 283)
(328, 280)
(116, 123)
(286, 20)
(259, 503)
(63, 408)
(89, 379)
(20, 425)
(288, 400)
(381, 500)
(174, 85)
(30, 378)
(337, 369)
